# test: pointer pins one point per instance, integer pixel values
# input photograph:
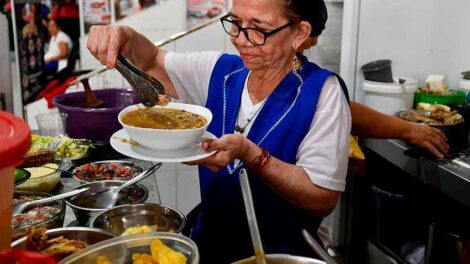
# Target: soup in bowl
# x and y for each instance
(173, 127)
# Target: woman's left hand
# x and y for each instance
(228, 148)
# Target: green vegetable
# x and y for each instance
(68, 148)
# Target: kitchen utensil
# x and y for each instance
(116, 220)
(91, 101)
(282, 259)
(120, 249)
(84, 207)
(147, 87)
(317, 248)
(97, 124)
(107, 199)
(88, 75)
(86, 234)
(251, 216)
(20, 207)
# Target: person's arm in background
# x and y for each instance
(367, 122)
(64, 52)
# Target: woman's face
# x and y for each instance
(266, 16)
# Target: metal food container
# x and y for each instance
(82, 204)
(118, 219)
(120, 249)
(51, 222)
(282, 259)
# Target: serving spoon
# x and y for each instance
(251, 216)
(107, 198)
(18, 208)
(148, 88)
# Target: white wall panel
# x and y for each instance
(421, 37)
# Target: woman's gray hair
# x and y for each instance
(312, 11)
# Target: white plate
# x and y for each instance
(123, 144)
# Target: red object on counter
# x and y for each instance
(54, 88)
(15, 138)
(19, 256)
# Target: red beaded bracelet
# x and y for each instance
(261, 161)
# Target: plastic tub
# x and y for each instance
(16, 139)
(446, 99)
(389, 98)
(96, 124)
(378, 71)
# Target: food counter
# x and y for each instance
(450, 176)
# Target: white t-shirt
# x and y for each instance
(323, 153)
(54, 48)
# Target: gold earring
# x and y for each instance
(295, 62)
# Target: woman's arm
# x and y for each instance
(367, 122)
(106, 42)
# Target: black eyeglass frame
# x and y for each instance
(240, 29)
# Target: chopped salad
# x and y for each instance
(68, 148)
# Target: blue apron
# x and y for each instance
(221, 229)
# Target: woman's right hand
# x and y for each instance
(106, 42)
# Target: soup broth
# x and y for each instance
(163, 118)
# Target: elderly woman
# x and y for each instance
(275, 113)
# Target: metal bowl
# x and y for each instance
(282, 259)
(82, 204)
(132, 165)
(88, 235)
(54, 221)
(118, 219)
(120, 249)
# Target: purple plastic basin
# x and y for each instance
(97, 124)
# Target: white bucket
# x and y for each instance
(389, 98)
(464, 85)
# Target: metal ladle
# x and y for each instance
(251, 216)
(147, 87)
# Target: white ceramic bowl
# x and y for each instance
(167, 139)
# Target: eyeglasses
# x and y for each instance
(253, 35)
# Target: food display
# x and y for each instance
(435, 115)
(134, 230)
(163, 118)
(107, 170)
(43, 178)
(45, 215)
(58, 248)
(37, 157)
(67, 148)
(160, 254)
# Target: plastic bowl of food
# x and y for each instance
(44, 178)
(97, 124)
(83, 204)
(121, 249)
(172, 127)
(61, 248)
(21, 175)
(49, 215)
(107, 170)
(132, 218)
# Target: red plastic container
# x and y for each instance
(15, 139)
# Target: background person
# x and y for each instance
(59, 48)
